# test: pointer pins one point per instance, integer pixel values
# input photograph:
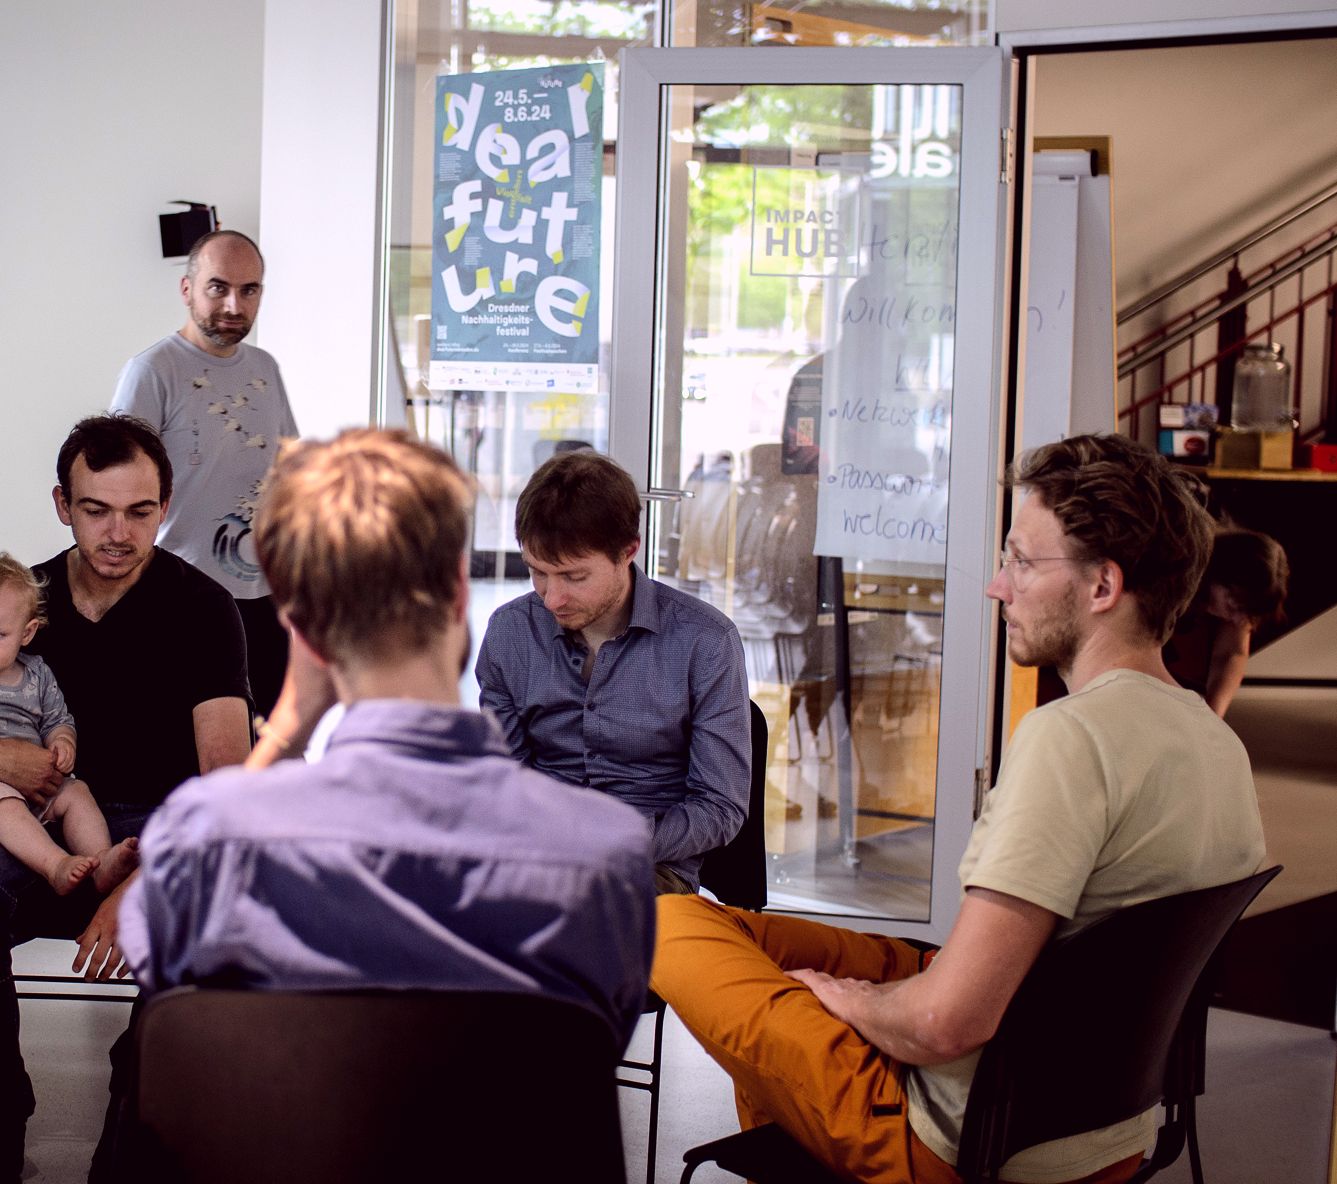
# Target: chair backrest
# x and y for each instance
(736, 872)
(354, 1086)
(1104, 1027)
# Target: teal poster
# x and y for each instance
(515, 240)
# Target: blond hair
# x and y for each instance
(13, 572)
(361, 538)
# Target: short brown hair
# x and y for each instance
(1119, 501)
(578, 503)
(14, 572)
(360, 538)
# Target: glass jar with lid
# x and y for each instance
(1261, 397)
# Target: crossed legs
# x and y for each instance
(791, 1061)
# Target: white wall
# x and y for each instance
(319, 204)
(1208, 141)
(107, 112)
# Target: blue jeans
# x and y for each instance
(28, 909)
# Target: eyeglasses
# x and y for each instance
(1020, 570)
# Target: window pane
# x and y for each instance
(805, 373)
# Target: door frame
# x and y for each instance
(969, 622)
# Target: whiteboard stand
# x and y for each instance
(1068, 385)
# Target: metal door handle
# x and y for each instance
(655, 494)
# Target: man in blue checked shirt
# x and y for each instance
(606, 678)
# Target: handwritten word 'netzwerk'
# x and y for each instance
(892, 415)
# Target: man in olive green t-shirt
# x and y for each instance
(1127, 790)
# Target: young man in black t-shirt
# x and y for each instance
(151, 657)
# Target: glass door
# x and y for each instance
(807, 335)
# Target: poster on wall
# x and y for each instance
(515, 239)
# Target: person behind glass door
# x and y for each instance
(606, 678)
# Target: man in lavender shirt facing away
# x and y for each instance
(416, 853)
(606, 678)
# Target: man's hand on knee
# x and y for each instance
(97, 944)
(844, 998)
(956, 1005)
(31, 769)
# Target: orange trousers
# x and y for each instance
(791, 1061)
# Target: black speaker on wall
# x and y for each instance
(182, 231)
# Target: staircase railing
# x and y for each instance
(1229, 254)
(1189, 357)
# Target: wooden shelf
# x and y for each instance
(1265, 474)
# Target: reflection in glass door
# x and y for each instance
(806, 395)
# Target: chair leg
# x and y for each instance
(657, 1060)
(652, 1069)
(1191, 1127)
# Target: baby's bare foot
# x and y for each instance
(70, 871)
(115, 863)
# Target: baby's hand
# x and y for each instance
(63, 747)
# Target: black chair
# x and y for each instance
(1109, 1023)
(736, 875)
(764, 1155)
(342, 1087)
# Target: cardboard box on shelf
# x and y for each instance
(1276, 450)
(1242, 449)
(1236, 449)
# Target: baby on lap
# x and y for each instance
(32, 708)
